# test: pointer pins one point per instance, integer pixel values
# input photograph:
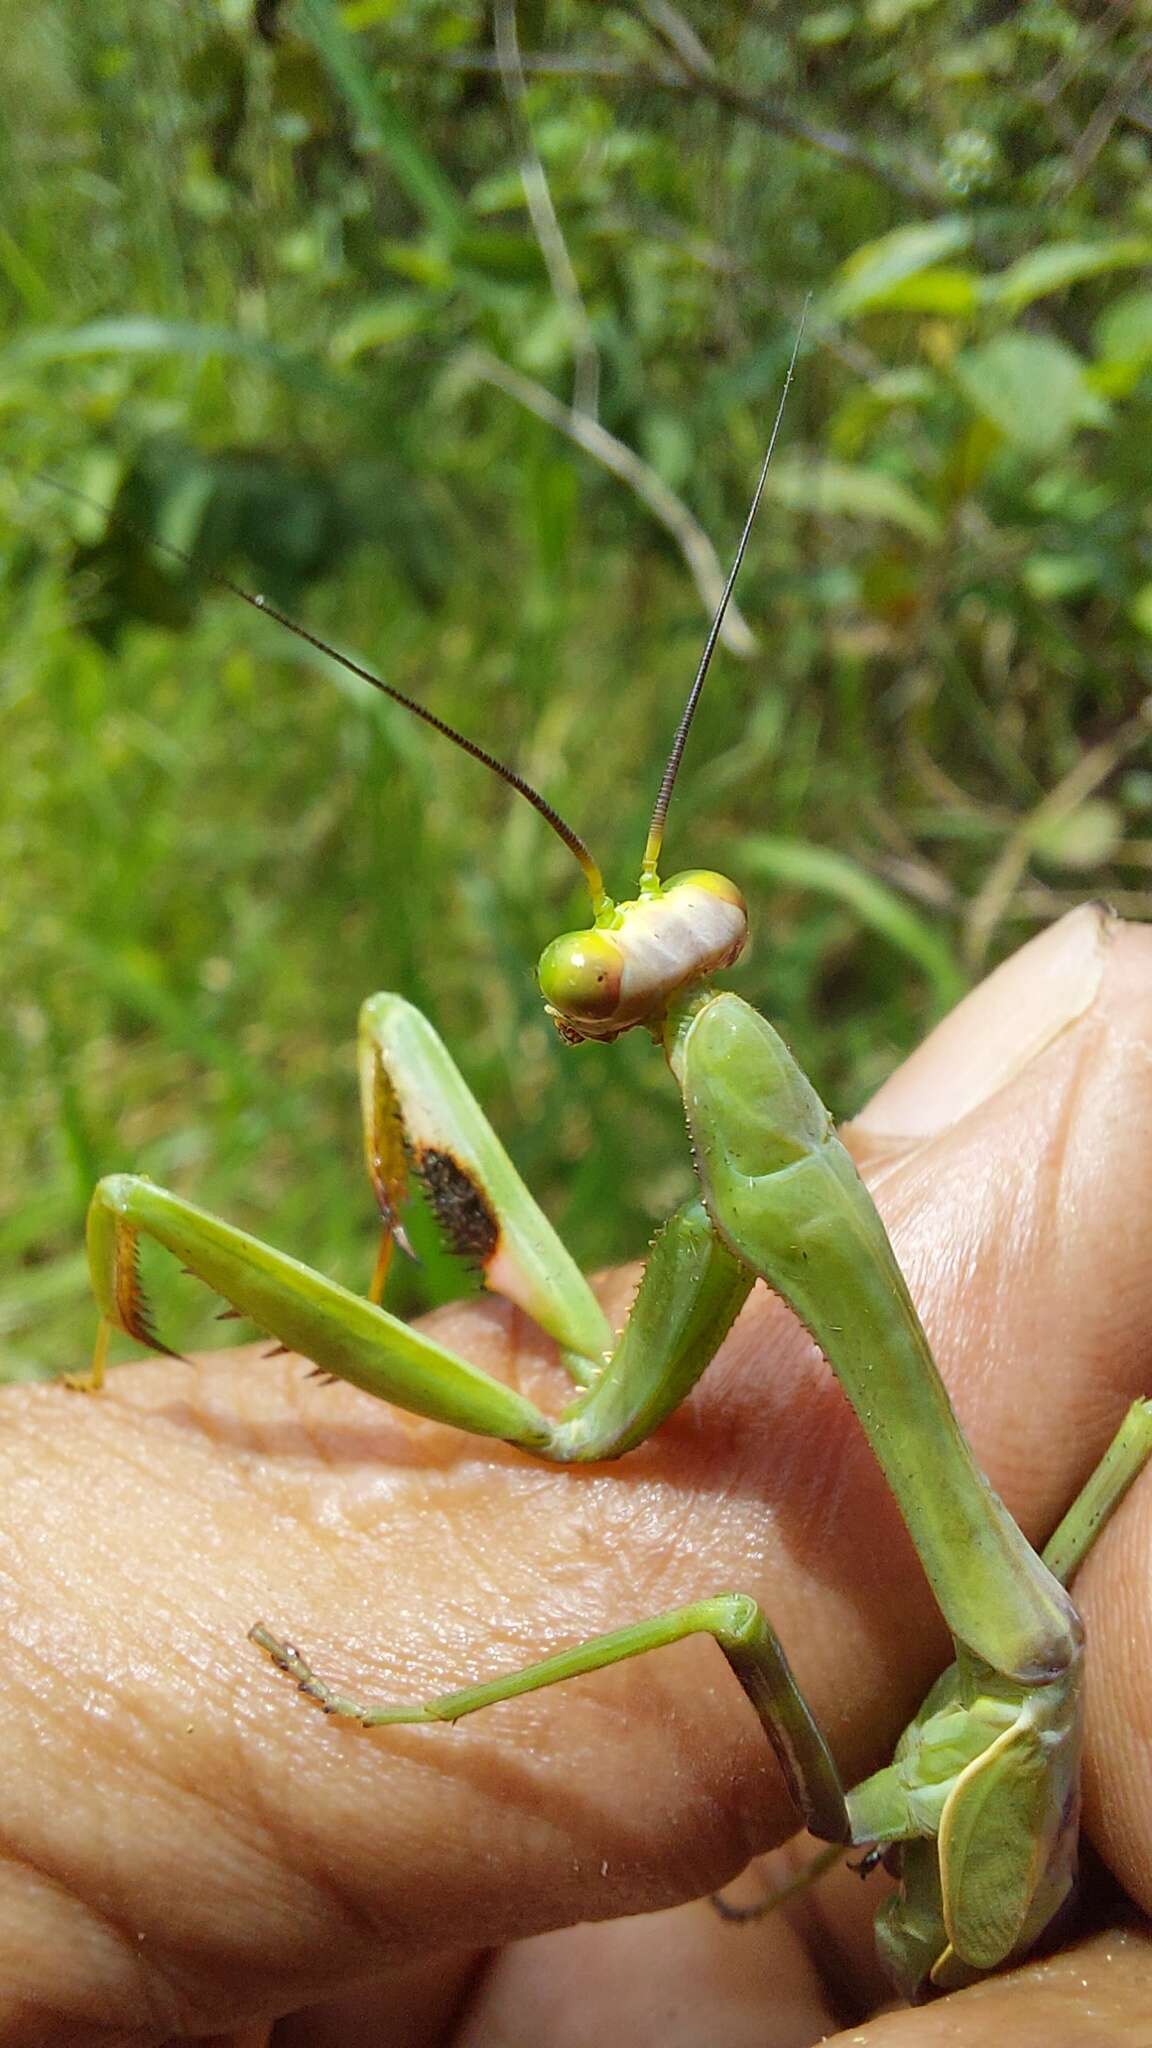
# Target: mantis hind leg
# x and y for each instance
(733, 1620)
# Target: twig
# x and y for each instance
(916, 185)
(678, 33)
(1002, 882)
(545, 220)
(1049, 904)
(1093, 38)
(1108, 112)
(704, 563)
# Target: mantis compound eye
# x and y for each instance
(580, 976)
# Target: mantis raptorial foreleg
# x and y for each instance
(691, 1291)
(421, 1121)
(420, 1118)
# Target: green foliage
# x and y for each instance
(258, 296)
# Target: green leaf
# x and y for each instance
(885, 16)
(1085, 839)
(946, 289)
(827, 25)
(1124, 332)
(865, 405)
(140, 334)
(1054, 577)
(843, 490)
(1140, 609)
(381, 324)
(1031, 387)
(873, 271)
(1059, 264)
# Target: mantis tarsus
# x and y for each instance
(977, 1814)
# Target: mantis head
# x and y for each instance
(628, 966)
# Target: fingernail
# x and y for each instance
(997, 1031)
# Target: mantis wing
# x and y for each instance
(999, 1845)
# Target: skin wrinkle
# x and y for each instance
(1097, 1055)
(1081, 1036)
(369, 1929)
(121, 1920)
(375, 1933)
(1123, 1045)
(97, 1909)
(829, 1957)
(1002, 1436)
(366, 2013)
(168, 2012)
(953, 1277)
(132, 1433)
(125, 1948)
(1055, 1211)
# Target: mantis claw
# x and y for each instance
(282, 1653)
(295, 1666)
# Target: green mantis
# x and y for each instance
(977, 1814)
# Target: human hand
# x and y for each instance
(190, 1849)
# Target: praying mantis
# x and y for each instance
(977, 1813)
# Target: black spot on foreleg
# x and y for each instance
(460, 1206)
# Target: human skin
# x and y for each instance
(190, 1849)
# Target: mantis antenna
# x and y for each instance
(562, 829)
(649, 879)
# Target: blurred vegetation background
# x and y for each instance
(459, 331)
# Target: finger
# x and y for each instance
(1114, 1592)
(662, 1980)
(675, 1979)
(213, 1846)
(1098, 1992)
